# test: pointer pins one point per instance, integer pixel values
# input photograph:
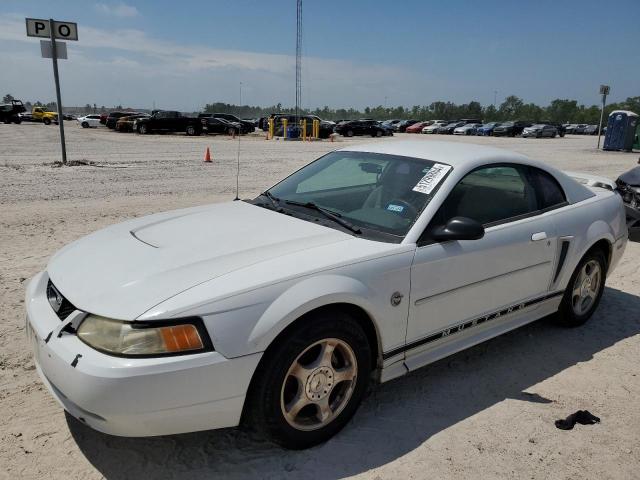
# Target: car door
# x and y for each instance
(455, 282)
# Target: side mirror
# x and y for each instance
(458, 228)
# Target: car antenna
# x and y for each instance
(238, 165)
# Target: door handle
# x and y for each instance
(539, 236)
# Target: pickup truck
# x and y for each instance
(168, 121)
(10, 112)
(41, 115)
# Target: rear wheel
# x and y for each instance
(349, 133)
(191, 131)
(310, 383)
(377, 133)
(584, 290)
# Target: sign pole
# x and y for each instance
(604, 90)
(54, 59)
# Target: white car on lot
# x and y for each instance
(433, 128)
(468, 129)
(89, 121)
(276, 313)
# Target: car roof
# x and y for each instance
(452, 153)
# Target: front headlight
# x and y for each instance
(142, 339)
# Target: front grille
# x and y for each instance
(66, 307)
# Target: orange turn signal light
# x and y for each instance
(181, 337)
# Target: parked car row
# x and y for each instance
(468, 126)
(164, 121)
(581, 129)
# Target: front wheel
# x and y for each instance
(310, 383)
(584, 290)
(143, 129)
(349, 133)
(85, 125)
(377, 133)
(47, 121)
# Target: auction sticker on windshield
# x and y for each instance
(432, 178)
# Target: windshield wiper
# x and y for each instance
(336, 217)
(275, 201)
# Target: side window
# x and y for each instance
(489, 195)
(548, 190)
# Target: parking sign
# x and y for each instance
(37, 27)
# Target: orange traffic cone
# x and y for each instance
(207, 156)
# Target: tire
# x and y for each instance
(85, 125)
(276, 389)
(17, 120)
(190, 130)
(232, 131)
(377, 133)
(46, 121)
(349, 133)
(574, 309)
(143, 129)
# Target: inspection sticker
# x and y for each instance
(395, 208)
(432, 178)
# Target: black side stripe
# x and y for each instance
(471, 323)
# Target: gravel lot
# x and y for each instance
(487, 412)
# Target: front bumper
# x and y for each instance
(130, 396)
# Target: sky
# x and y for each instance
(184, 54)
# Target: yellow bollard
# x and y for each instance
(316, 128)
(303, 124)
(271, 128)
(284, 128)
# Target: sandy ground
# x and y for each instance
(487, 412)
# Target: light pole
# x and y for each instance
(604, 91)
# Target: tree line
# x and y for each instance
(512, 108)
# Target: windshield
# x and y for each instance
(374, 192)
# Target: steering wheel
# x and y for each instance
(410, 208)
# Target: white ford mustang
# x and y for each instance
(369, 262)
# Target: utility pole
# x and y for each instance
(604, 91)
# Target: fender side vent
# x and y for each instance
(564, 249)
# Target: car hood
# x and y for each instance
(632, 177)
(126, 269)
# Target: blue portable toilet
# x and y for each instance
(621, 130)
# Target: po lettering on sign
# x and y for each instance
(37, 27)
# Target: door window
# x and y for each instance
(489, 195)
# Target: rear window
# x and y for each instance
(549, 191)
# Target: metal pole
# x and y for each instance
(604, 99)
(54, 59)
(238, 167)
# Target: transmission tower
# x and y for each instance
(298, 59)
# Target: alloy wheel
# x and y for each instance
(586, 287)
(318, 384)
